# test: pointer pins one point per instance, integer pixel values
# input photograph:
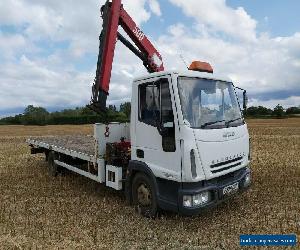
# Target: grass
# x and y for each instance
(70, 211)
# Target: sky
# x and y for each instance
(49, 48)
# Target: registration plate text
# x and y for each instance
(231, 189)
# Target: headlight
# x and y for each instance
(187, 200)
(200, 199)
(196, 199)
(247, 180)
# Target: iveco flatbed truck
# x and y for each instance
(186, 147)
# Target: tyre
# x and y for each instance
(52, 167)
(144, 195)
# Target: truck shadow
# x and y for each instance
(69, 183)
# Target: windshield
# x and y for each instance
(208, 103)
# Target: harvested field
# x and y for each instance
(70, 211)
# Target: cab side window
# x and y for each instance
(155, 109)
(149, 103)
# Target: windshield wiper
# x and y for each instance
(210, 123)
(233, 120)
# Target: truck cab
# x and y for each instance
(189, 138)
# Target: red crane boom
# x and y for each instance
(113, 15)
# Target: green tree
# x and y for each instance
(279, 111)
(12, 120)
(126, 109)
(112, 108)
(87, 111)
(293, 110)
(259, 111)
(35, 115)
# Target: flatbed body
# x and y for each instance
(80, 146)
(85, 154)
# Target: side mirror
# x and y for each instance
(245, 100)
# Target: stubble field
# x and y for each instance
(70, 211)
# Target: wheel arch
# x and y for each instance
(135, 167)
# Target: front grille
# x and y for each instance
(232, 163)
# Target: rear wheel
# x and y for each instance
(144, 196)
(52, 167)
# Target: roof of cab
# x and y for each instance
(188, 73)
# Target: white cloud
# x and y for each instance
(218, 16)
(224, 36)
(287, 102)
(261, 64)
(11, 44)
(71, 20)
(53, 80)
(155, 7)
(35, 84)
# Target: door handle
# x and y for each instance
(139, 153)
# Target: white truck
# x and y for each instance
(187, 145)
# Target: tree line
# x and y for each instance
(277, 112)
(83, 115)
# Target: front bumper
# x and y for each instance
(170, 194)
(215, 187)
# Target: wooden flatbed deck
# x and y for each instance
(74, 145)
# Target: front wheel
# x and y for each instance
(144, 196)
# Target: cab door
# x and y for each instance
(156, 130)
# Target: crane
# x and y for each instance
(114, 15)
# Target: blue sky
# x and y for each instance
(280, 18)
(48, 51)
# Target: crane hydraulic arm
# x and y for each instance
(113, 15)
